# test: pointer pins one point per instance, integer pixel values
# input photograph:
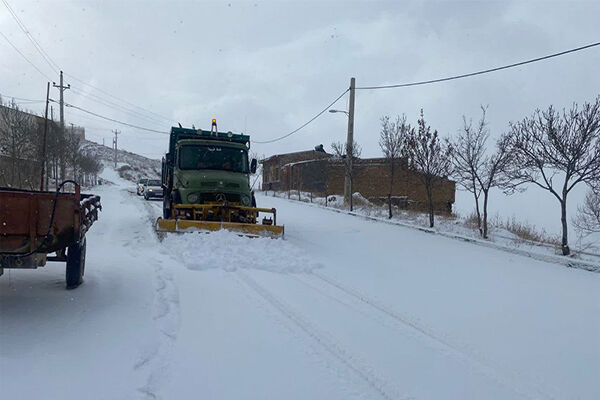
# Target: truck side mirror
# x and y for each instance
(253, 166)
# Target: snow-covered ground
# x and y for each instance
(343, 308)
(584, 254)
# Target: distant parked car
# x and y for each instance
(153, 188)
(140, 186)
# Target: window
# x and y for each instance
(214, 158)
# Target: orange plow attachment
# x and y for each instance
(214, 217)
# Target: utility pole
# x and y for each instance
(62, 89)
(44, 139)
(349, 144)
(116, 132)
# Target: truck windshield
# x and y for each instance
(153, 182)
(213, 157)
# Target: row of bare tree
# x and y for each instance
(554, 150)
(21, 152)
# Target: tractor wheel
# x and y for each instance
(75, 264)
(166, 206)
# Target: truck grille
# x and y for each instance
(231, 197)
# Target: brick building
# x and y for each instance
(322, 174)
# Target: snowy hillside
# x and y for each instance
(131, 166)
(342, 308)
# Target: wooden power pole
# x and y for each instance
(116, 132)
(61, 87)
(350, 143)
(44, 138)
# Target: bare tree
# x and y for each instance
(468, 158)
(55, 150)
(19, 141)
(391, 140)
(474, 169)
(348, 154)
(73, 155)
(21, 149)
(556, 151)
(430, 157)
(588, 214)
(90, 166)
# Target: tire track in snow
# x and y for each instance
(477, 361)
(166, 315)
(156, 359)
(367, 374)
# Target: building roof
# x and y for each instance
(308, 153)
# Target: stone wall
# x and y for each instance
(325, 176)
(277, 169)
(372, 180)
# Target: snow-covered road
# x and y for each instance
(343, 308)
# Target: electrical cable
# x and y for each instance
(480, 72)
(21, 98)
(305, 124)
(115, 106)
(119, 99)
(55, 67)
(112, 119)
(23, 55)
(35, 43)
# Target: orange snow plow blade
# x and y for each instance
(201, 217)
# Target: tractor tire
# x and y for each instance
(167, 206)
(75, 264)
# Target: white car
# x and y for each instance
(153, 188)
(140, 186)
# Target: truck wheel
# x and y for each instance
(75, 264)
(166, 207)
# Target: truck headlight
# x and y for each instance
(192, 198)
(245, 200)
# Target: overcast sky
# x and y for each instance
(265, 67)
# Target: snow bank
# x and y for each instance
(228, 251)
(586, 256)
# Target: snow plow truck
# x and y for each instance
(206, 185)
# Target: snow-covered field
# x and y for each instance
(343, 308)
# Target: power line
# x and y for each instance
(26, 103)
(23, 55)
(116, 106)
(480, 72)
(112, 119)
(35, 43)
(306, 123)
(55, 67)
(119, 99)
(21, 98)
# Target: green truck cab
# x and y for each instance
(206, 167)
